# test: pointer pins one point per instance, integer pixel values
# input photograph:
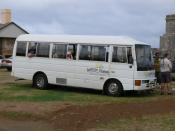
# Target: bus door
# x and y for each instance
(122, 67)
(93, 65)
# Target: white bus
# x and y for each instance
(110, 63)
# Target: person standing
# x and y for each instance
(157, 67)
(165, 68)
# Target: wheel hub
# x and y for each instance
(113, 88)
(40, 82)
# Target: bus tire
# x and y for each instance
(113, 88)
(40, 81)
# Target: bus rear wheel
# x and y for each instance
(113, 88)
(40, 81)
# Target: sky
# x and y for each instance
(143, 20)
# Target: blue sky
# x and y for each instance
(140, 19)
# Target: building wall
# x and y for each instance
(170, 24)
(7, 46)
(167, 41)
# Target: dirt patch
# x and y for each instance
(42, 110)
(27, 116)
(78, 118)
(66, 116)
(13, 125)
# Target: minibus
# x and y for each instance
(113, 64)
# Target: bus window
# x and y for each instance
(71, 51)
(32, 49)
(85, 52)
(59, 51)
(119, 55)
(94, 53)
(129, 55)
(21, 49)
(98, 53)
(43, 50)
(107, 53)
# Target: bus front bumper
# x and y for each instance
(145, 84)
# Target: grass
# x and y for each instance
(144, 123)
(173, 84)
(24, 92)
(16, 115)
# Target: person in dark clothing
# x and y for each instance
(157, 68)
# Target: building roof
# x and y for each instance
(2, 26)
(11, 30)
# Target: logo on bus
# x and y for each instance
(98, 69)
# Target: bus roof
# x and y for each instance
(121, 40)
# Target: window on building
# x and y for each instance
(21, 49)
(119, 55)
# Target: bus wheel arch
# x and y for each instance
(40, 80)
(113, 87)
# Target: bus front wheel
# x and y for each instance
(40, 81)
(113, 88)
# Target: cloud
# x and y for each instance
(45, 28)
(143, 20)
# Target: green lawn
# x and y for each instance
(173, 84)
(25, 92)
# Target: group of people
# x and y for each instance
(163, 69)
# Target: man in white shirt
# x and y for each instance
(165, 68)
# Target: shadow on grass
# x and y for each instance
(75, 89)
(100, 92)
(69, 89)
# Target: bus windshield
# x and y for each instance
(144, 57)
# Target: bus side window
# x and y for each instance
(98, 53)
(21, 49)
(32, 49)
(107, 54)
(92, 52)
(129, 55)
(85, 52)
(59, 51)
(119, 55)
(71, 51)
(43, 50)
